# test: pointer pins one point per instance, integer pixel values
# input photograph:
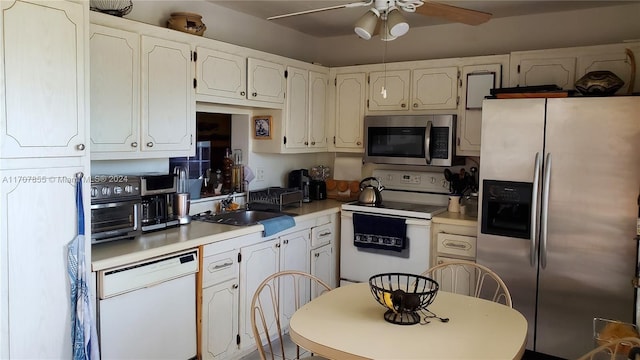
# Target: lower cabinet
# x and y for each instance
(220, 301)
(454, 243)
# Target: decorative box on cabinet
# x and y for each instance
(44, 90)
(349, 107)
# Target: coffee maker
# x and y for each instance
(158, 198)
(299, 179)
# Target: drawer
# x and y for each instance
(321, 235)
(219, 267)
(458, 245)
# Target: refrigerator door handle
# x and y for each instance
(534, 208)
(427, 142)
(545, 211)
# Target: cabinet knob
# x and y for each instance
(242, 93)
(313, 143)
(317, 255)
(286, 242)
(415, 105)
(403, 105)
(278, 245)
(234, 286)
(134, 144)
(306, 143)
(254, 94)
(358, 143)
(80, 147)
(150, 144)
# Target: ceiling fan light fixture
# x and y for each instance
(396, 23)
(366, 25)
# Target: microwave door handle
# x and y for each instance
(534, 207)
(427, 142)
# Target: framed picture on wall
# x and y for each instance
(262, 127)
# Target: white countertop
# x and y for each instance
(197, 233)
(453, 218)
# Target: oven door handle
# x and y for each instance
(427, 142)
(534, 210)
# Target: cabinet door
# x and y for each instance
(435, 88)
(322, 266)
(221, 74)
(37, 221)
(294, 255)
(615, 61)
(464, 282)
(470, 120)
(265, 81)
(168, 105)
(558, 71)
(297, 108)
(318, 86)
(44, 81)
(115, 89)
(389, 90)
(220, 320)
(258, 261)
(350, 101)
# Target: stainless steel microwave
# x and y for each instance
(410, 139)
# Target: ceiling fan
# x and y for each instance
(388, 12)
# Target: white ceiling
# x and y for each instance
(340, 21)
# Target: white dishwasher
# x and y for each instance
(147, 310)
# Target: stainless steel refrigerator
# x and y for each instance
(559, 182)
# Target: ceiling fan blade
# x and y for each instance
(362, 3)
(453, 13)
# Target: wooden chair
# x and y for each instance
(274, 302)
(616, 349)
(469, 278)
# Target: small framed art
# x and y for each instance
(262, 127)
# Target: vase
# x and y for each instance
(187, 22)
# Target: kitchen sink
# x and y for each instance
(240, 217)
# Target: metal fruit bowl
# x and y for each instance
(403, 295)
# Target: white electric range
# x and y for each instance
(371, 244)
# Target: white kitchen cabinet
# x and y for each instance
(396, 85)
(43, 97)
(306, 110)
(115, 90)
(454, 241)
(322, 266)
(167, 97)
(434, 88)
(265, 81)
(220, 302)
(469, 124)
(150, 118)
(44, 102)
(349, 107)
(563, 67)
(297, 109)
(287, 252)
(221, 74)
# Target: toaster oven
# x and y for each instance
(115, 208)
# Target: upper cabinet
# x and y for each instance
(434, 88)
(349, 112)
(318, 98)
(143, 99)
(562, 67)
(265, 81)
(44, 80)
(389, 90)
(221, 74)
(225, 77)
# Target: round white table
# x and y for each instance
(348, 323)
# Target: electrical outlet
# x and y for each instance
(260, 174)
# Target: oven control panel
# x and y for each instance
(413, 180)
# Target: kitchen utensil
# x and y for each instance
(182, 203)
(403, 295)
(369, 194)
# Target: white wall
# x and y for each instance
(597, 26)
